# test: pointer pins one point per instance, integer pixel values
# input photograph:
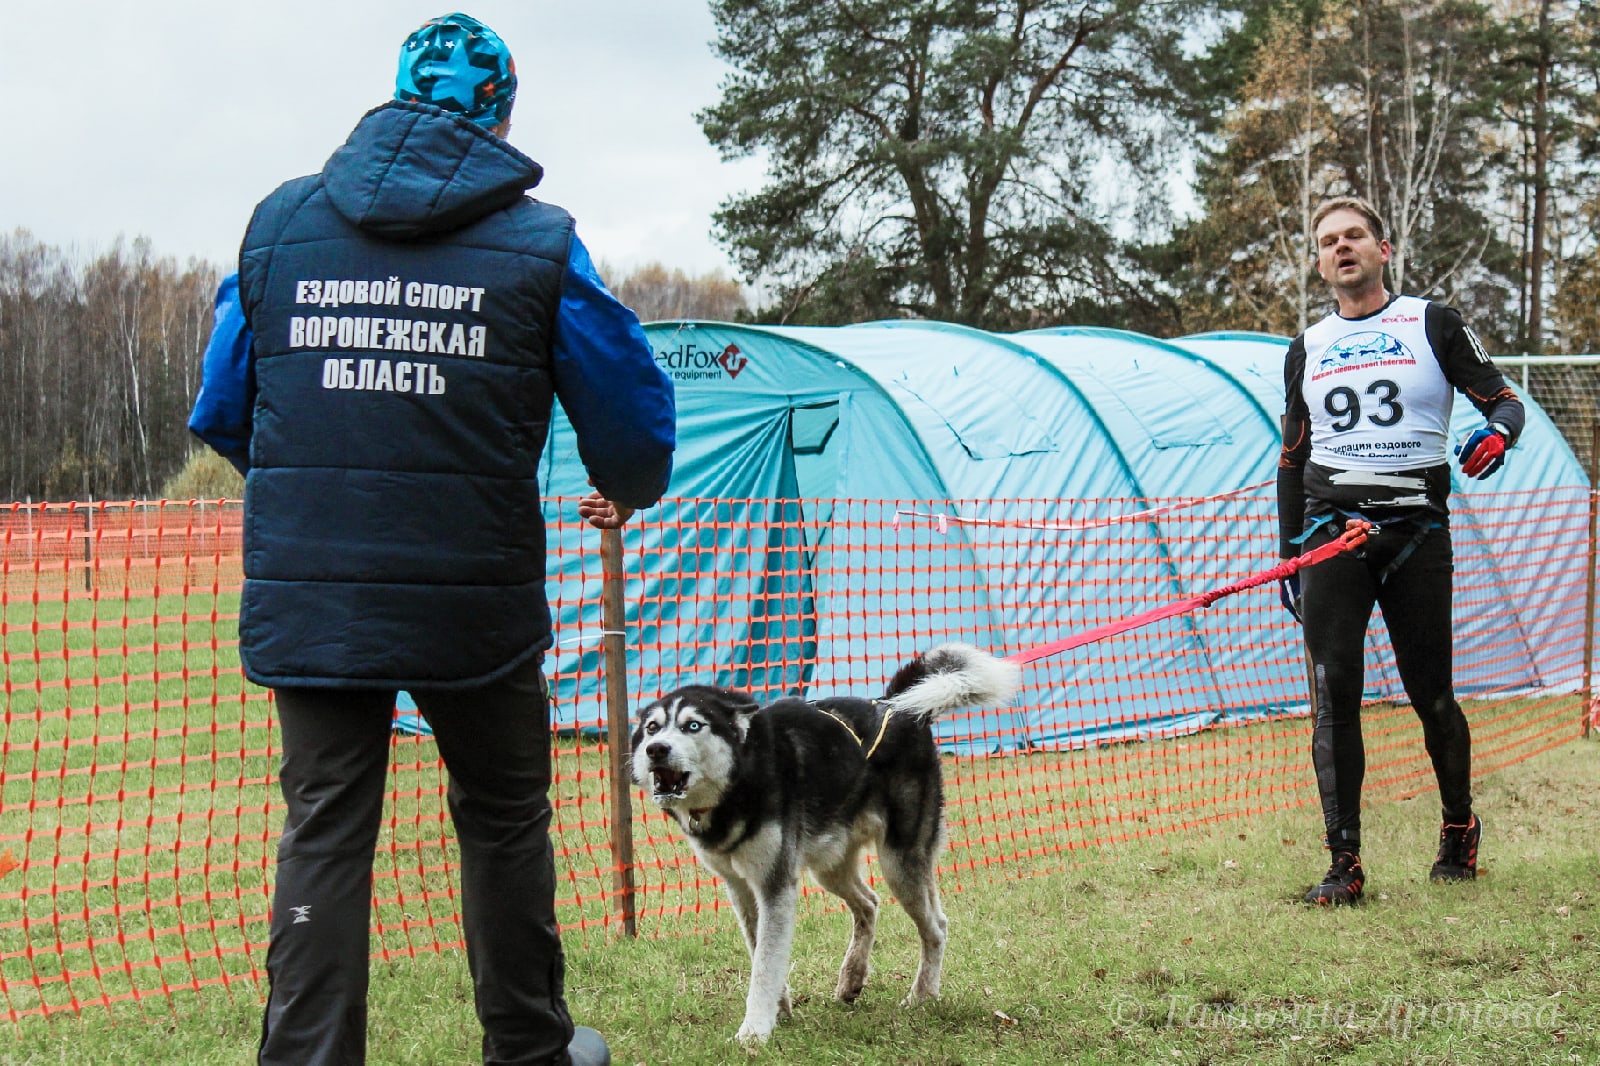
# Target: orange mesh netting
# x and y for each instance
(139, 809)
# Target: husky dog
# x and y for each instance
(766, 792)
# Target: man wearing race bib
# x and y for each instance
(1365, 439)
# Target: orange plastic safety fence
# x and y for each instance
(138, 803)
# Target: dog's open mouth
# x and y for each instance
(669, 782)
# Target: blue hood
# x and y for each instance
(409, 170)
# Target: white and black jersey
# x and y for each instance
(1366, 424)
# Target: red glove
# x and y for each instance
(1482, 453)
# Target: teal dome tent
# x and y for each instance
(741, 585)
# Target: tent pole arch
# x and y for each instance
(1175, 349)
(1014, 348)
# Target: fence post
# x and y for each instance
(613, 619)
(88, 546)
(1589, 578)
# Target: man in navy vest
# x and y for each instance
(383, 370)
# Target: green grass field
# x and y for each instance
(1190, 947)
(1088, 923)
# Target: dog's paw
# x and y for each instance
(751, 1038)
(852, 979)
(917, 997)
(848, 990)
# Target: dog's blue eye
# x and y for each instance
(693, 727)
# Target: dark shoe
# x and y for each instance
(1343, 883)
(1458, 851)
(588, 1048)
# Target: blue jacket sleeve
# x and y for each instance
(619, 401)
(224, 408)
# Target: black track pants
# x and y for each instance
(1338, 597)
(495, 742)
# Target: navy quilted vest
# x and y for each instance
(402, 303)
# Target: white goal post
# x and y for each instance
(1568, 388)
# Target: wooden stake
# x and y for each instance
(618, 729)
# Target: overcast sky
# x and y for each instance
(170, 119)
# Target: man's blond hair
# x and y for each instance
(1361, 207)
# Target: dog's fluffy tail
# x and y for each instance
(951, 676)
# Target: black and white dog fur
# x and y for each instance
(767, 792)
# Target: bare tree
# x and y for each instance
(99, 362)
(1410, 133)
(1544, 93)
(1369, 100)
(1280, 160)
(655, 293)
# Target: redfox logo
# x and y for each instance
(688, 362)
(732, 360)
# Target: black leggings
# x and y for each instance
(1415, 599)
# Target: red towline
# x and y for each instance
(1349, 540)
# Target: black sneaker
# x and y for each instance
(1458, 851)
(588, 1048)
(1343, 883)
